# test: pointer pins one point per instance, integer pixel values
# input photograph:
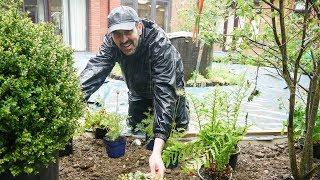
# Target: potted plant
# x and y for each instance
(219, 133)
(216, 146)
(115, 143)
(146, 126)
(67, 150)
(216, 142)
(98, 121)
(40, 96)
(300, 127)
(234, 157)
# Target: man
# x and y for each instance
(152, 69)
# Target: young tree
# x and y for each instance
(288, 40)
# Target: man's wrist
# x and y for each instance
(158, 145)
(161, 136)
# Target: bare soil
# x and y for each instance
(257, 160)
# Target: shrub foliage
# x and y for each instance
(40, 97)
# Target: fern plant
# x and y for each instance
(174, 150)
(146, 125)
(300, 127)
(219, 133)
(217, 142)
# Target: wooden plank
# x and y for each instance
(251, 133)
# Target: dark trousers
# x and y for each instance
(137, 109)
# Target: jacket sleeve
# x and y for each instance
(164, 61)
(98, 68)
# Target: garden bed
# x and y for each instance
(257, 160)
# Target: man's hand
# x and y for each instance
(155, 161)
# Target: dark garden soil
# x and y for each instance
(257, 160)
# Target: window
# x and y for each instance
(35, 9)
(45, 10)
(162, 11)
(146, 8)
(55, 11)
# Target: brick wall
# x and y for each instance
(114, 4)
(97, 21)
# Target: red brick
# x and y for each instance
(97, 21)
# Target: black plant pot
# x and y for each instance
(203, 175)
(100, 133)
(150, 144)
(49, 173)
(234, 158)
(316, 150)
(68, 149)
(115, 149)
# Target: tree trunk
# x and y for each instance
(199, 56)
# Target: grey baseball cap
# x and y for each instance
(122, 18)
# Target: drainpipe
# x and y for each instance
(108, 6)
(46, 10)
(153, 10)
(87, 25)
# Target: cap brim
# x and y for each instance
(122, 26)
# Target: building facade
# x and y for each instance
(68, 16)
(83, 23)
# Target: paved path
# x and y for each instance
(263, 112)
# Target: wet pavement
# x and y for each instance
(264, 112)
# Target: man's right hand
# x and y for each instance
(155, 161)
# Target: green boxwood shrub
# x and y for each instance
(40, 96)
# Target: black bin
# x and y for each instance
(189, 50)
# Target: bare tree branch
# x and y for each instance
(312, 40)
(305, 89)
(304, 71)
(268, 61)
(302, 46)
(274, 28)
(283, 46)
(260, 43)
(271, 5)
(314, 61)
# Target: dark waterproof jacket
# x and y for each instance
(154, 71)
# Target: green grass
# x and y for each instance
(116, 72)
(218, 75)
